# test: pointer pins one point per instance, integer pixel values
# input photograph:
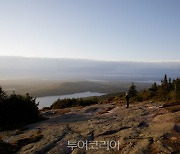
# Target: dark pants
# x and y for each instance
(127, 102)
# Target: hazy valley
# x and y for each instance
(50, 76)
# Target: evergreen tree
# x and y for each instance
(154, 87)
(16, 110)
(165, 81)
(132, 92)
(170, 85)
(177, 89)
(170, 81)
(165, 88)
(2, 95)
(153, 90)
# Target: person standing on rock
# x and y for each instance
(127, 100)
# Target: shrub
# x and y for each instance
(64, 103)
(17, 110)
(138, 98)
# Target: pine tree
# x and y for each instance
(153, 87)
(164, 89)
(2, 95)
(165, 81)
(132, 92)
(153, 90)
(177, 89)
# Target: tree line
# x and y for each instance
(168, 90)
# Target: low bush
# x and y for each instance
(64, 103)
(17, 110)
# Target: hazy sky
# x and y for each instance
(127, 30)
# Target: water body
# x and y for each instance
(48, 100)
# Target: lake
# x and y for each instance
(48, 100)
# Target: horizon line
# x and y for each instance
(90, 59)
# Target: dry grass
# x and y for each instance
(106, 110)
(172, 106)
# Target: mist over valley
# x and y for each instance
(53, 76)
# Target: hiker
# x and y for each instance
(127, 100)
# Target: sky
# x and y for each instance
(111, 30)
